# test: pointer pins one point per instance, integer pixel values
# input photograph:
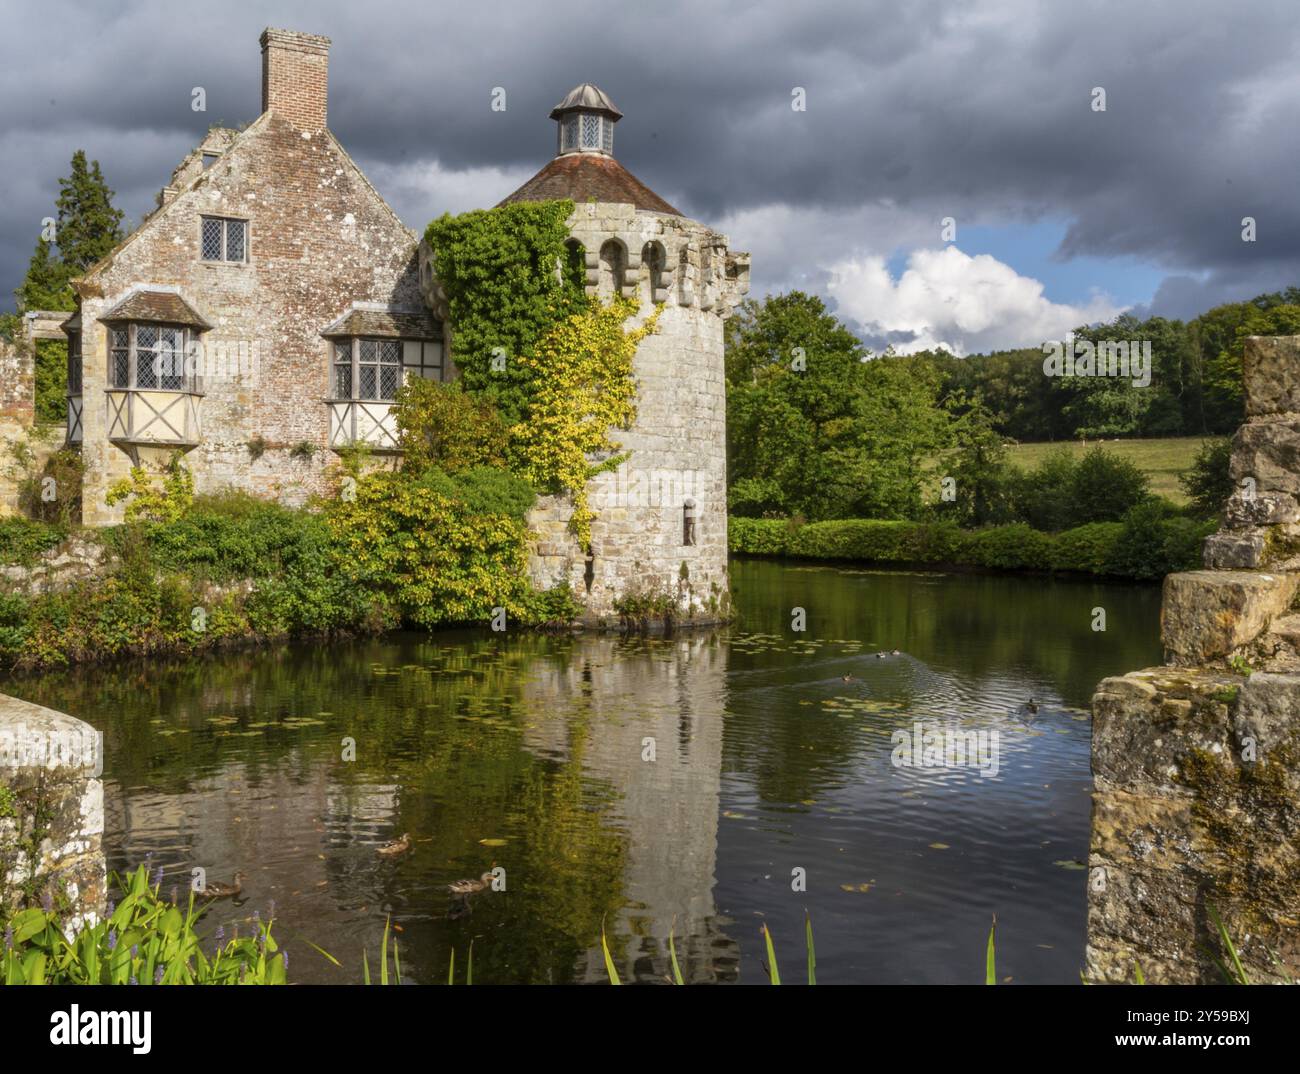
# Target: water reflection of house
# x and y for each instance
(670, 692)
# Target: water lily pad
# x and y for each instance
(1069, 864)
(492, 842)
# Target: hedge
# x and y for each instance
(1143, 546)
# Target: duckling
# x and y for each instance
(881, 655)
(1031, 706)
(847, 678)
(396, 847)
(463, 889)
(218, 890)
(896, 652)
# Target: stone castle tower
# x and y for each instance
(661, 526)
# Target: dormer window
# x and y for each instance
(209, 159)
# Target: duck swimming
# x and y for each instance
(397, 846)
(218, 890)
(463, 889)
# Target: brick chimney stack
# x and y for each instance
(295, 71)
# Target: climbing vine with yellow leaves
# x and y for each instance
(584, 389)
(556, 364)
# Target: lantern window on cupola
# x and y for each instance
(586, 119)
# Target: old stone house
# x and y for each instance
(265, 314)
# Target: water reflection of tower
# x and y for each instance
(669, 691)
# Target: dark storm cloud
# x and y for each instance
(980, 112)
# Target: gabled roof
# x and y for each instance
(165, 307)
(587, 176)
(236, 145)
(389, 324)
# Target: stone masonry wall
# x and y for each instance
(320, 238)
(51, 793)
(678, 440)
(18, 407)
(1196, 765)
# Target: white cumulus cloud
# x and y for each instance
(946, 298)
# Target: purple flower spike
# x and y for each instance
(221, 932)
(135, 950)
(112, 939)
(284, 957)
(47, 902)
(9, 937)
(157, 877)
(133, 980)
(158, 975)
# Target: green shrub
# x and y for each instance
(1208, 484)
(1104, 487)
(1089, 548)
(1151, 544)
(444, 426)
(1014, 547)
(427, 556)
(1148, 544)
(759, 536)
(1042, 494)
(484, 490)
(23, 540)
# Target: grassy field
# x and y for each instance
(1161, 460)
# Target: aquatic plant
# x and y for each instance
(144, 939)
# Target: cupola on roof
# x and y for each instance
(584, 168)
(588, 97)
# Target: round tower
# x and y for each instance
(661, 525)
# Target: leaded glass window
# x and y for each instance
(422, 359)
(171, 358)
(224, 239)
(569, 134)
(74, 363)
(119, 365)
(607, 136)
(149, 357)
(374, 369)
(343, 370)
(146, 356)
(590, 131)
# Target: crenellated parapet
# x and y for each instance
(658, 257)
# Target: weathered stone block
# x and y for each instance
(1268, 509)
(1234, 551)
(1271, 370)
(1268, 452)
(1205, 615)
(50, 763)
(1196, 806)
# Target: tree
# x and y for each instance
(88, 227)
(817, 427)
(45, 287)
(88, 224)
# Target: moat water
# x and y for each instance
(704, 784)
